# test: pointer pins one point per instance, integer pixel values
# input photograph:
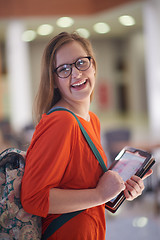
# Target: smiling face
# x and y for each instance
(80, 84)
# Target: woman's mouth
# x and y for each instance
(79, 83)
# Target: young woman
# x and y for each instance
(62, 175)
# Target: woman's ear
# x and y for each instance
(93, 66)
(94, 71)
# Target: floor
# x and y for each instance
(136, 220)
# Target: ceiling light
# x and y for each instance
(83, 32)
(101, 27)
(127, 20)
(45, 29)
(65, 22)
(28, 36)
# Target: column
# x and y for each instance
(151, 16)
(19, 78)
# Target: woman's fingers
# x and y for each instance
(150, 171)
(134, 187)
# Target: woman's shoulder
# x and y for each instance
(62, 119)
(59, 123)
(94, 117)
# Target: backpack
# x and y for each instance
(15, 223)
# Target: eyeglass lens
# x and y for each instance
(81, 64)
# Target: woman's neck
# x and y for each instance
(79, 108)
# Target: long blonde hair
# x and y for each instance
(47, 94)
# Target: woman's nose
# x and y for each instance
(75, 71)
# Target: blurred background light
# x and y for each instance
(65, 22)
(83, 32)
(28, 35)
(140, 222)
(101, 28)
(45, 29)
(127, 20)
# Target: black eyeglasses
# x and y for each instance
(65, 70)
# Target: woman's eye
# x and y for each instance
(82, 63)
(64, 69)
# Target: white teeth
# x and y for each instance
(79, 83)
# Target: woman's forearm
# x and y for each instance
(65, 200)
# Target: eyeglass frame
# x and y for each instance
(71, 64)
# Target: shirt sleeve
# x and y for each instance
(46, 161)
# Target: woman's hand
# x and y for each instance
(110, 185)
(148, 174)
(135, 186)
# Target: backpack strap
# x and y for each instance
(58, 222)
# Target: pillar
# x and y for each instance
(151, 18)
(18, 68)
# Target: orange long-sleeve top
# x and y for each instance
(59, 157)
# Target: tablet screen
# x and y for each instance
(129, 164)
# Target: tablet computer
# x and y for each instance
(130, 161)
